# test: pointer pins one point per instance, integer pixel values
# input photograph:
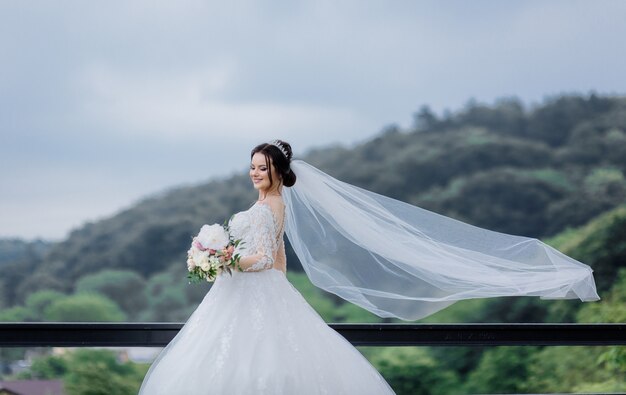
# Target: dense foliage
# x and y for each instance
(89, 372)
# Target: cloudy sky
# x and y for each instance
(105, 102)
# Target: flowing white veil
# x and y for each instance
(399, 260)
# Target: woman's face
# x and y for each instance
(260, 174)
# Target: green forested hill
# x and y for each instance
(531, 172)
(14, 249)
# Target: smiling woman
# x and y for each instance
(254, 332)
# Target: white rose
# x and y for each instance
(205, 266)
(200, 256)
(213, 237)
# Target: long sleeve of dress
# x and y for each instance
(265, 238)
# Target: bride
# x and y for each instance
(255, 334)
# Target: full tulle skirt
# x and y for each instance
(254, 333)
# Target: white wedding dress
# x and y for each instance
(254, 333)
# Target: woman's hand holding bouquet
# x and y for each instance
(212, 252)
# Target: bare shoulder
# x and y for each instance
(276, 204)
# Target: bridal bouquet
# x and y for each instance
(211, 253)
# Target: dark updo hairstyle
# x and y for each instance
(280, 161)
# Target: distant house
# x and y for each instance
(32, 387)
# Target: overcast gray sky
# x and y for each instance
(105, 102)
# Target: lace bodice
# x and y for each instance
(262, 233)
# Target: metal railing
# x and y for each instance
(99, 334)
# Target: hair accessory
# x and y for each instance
(278, 145)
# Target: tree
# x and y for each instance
(98, 372)
(15, 314)
(93, 379)
(46, 368)
(501, 370)
(411, 370)
(554, 121)
(425, 118)
(84, 307)
(124, 287)
(612, 361)
(507, 116)
(38, 301)
(601, 243)
(561, 369)
(89, 372)
(504, 200)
